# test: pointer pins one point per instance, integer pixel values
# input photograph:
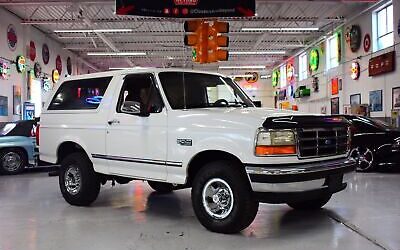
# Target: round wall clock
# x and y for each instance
(45, 54)
(32, 51)
(355, 38)
(355, 70)
(367, 42)
(59, 64)
(69, 66)
(12, 38)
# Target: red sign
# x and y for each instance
(335, 86)
(32, 51)
(186, 2)
(59, 64)
(382, 64)
(367, 42)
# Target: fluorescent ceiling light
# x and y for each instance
(121, 68)
(93, 31)
(265, 76)
(116, 53)
(282, 29)
(241, 76)
(271, 52)
(243, 67)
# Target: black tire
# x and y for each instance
(89, 180)
(161, 187)
(314, 204)
(244, 208)
(18, 166)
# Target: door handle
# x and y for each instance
(111, 122)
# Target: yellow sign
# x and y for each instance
(55, 76)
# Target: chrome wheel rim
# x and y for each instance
(11, 161)
(73, 180)
(363, 157)
(217, 198)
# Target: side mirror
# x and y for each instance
(133, 108)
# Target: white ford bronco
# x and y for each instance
(186, 129)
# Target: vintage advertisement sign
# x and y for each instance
(382, 64)
(186, 8)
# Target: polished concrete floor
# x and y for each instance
(34, 216)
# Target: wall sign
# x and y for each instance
(382, 64)
(367, 43)
(21, 64)
(4, 70)
(315, 83)
(282, 95)
(55, 76)
(290, 72)
(59, 64)
(275, 78)
(32, 51)
(186, 8)
(12, 38)
(355, 70)
(302, 91)
(37, 70)
(335, 86)
(253, 78)
(314, 60)
(69, 66)
(355, 38)
(45, 54)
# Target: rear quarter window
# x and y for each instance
(80, 94)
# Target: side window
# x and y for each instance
(80, 94)
(139, 92)
(364, 126)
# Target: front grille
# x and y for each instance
(318, 142)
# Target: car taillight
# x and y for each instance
(37, 134)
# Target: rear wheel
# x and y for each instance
(364, 158)
(222, 198)
(314, 204)
(79, 184)
(13, 161)
(161, 187)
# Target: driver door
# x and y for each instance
(137, 130)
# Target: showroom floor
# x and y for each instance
(34, 216)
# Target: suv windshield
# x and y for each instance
(196, 90)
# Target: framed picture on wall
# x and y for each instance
(355, 99)
(396, 98)
(375, 101)
(17, 100)
(3, 106)
(335, 106)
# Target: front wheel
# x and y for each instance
(79, 184)
(222, 198)
(364, 158)
(314, 204)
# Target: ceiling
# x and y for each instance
(162, 39)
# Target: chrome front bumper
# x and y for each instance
(299, 177)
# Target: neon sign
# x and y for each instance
(275, 78)
(21, 64)
(314, 60)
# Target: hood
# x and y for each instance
(233, 118)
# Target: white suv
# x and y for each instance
(180, 129)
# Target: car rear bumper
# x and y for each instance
(288, 183)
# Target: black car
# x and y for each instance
(374, 143)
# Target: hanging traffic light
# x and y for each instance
(207, 40)
(217, 41)
(198, 40)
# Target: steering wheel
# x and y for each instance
(221, 103)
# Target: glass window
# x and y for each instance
(197, 90)
(383, 32)
(80, 94)
(303, 67)
(140, 88)
(332, 55)
(283, 76)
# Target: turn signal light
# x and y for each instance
(275, 150)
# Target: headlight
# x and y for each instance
(276, 142)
